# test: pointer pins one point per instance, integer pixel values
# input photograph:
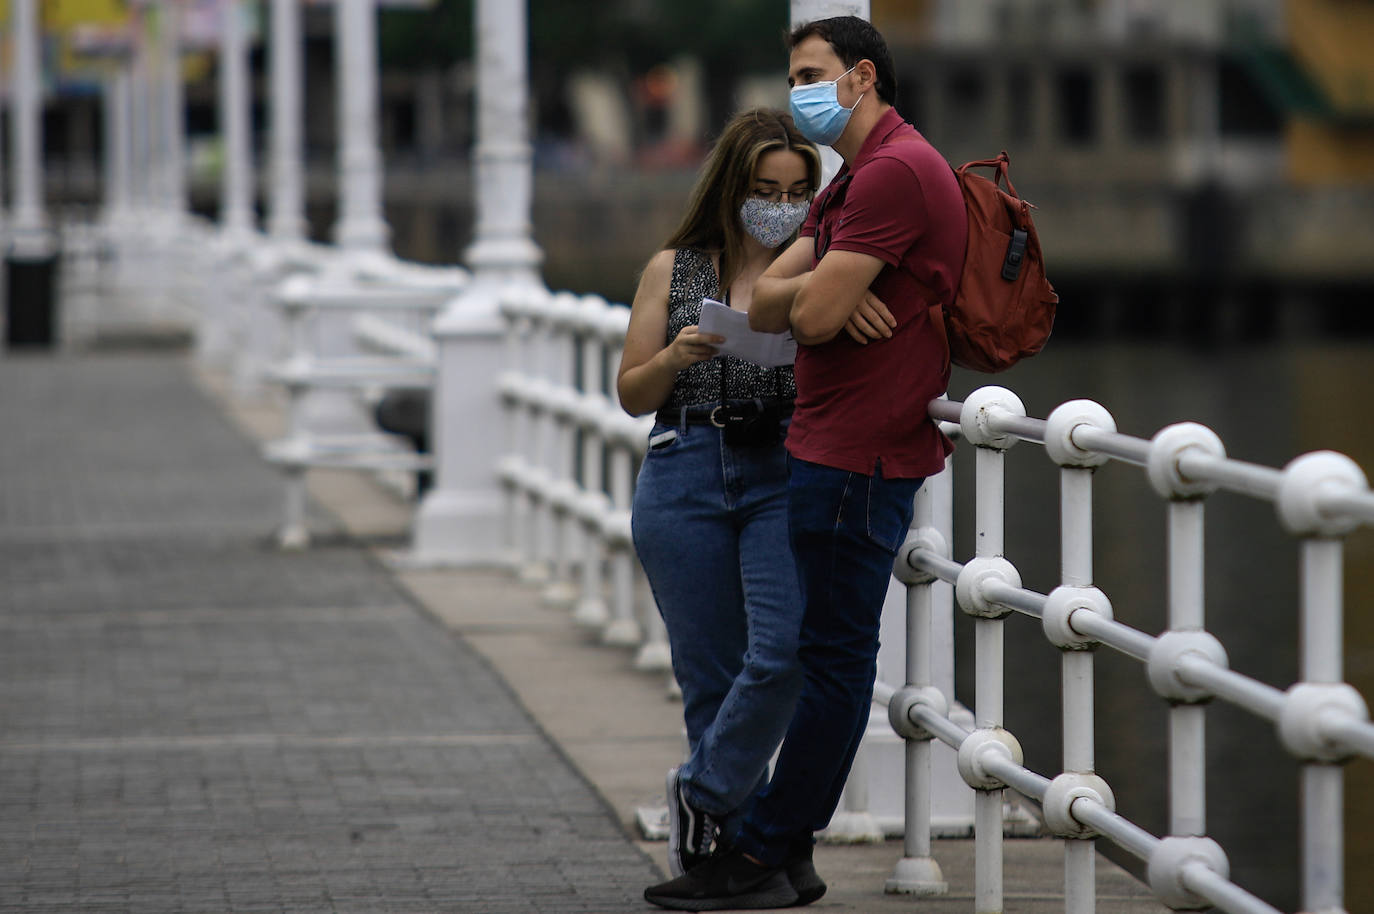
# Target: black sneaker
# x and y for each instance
(726, 881)
(691, 832)
(801, 872)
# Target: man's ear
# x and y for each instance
(867, 73)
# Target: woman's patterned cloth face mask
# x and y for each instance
(771, 223)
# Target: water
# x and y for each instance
(1269, 404)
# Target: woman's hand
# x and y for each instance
(870, 321)
(691, 346)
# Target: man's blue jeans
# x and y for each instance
(710, 526)
(845, 530)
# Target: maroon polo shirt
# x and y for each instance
(861, 406)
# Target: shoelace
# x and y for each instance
(706, 836)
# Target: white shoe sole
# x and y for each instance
(675, 867)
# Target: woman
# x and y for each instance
(710, 506)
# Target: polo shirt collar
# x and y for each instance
(887, 125)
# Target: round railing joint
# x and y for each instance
(1165, 660)
(1063, 792)
(971, 587)
(1307, 709)
(1060, 606)
(978, 749)
(1169, 861)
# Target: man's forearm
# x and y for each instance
(771, 310)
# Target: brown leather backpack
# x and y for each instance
(1003, 308)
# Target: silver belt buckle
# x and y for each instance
(714, 421)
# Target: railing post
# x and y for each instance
(561, 590)
(1075, 594)
(918, 873)
(1323, 789)
(539, 344)
(977, 419)
(1187, 720)
(592, 610)
(655, 655)
(512, 464)
(623, 629)
(622, 434)
(1321, 689)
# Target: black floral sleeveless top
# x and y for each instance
(694, 278)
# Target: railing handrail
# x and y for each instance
(1318, 497)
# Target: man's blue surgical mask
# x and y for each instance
(817, 111)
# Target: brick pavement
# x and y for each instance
(191, 720)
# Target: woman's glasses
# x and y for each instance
(780, 196)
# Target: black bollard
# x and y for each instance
(30, 300)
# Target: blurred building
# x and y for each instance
(1201, 167)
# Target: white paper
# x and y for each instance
(766, 349)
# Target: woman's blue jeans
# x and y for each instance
(710, 526)
(845, 530)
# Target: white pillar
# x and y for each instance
(360, 225)
(286, 220)
(4, 215)
(811, 10)
(458, 521)
(29, 234)
(236, 190)
(142, 149)
(171, 121)
(503, 174)
(118, 162)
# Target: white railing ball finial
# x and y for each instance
(923, 539)
(981, 747)
(907, 699)
(1059, 429)
(1306, 480)
(1307, 708)
(1165, 449)
(1171, 857)
(1060, 796)
(978, 417)
(971, 588)
(1057, 619)
(1165, 661)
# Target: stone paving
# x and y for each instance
(191, 720)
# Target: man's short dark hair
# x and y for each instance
(853, 39)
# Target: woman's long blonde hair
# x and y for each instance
(711, 222)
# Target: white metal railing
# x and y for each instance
(1320, 720)
(361, 330)
(572, 456)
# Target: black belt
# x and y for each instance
(705, 413)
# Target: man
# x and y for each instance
(883, 239)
